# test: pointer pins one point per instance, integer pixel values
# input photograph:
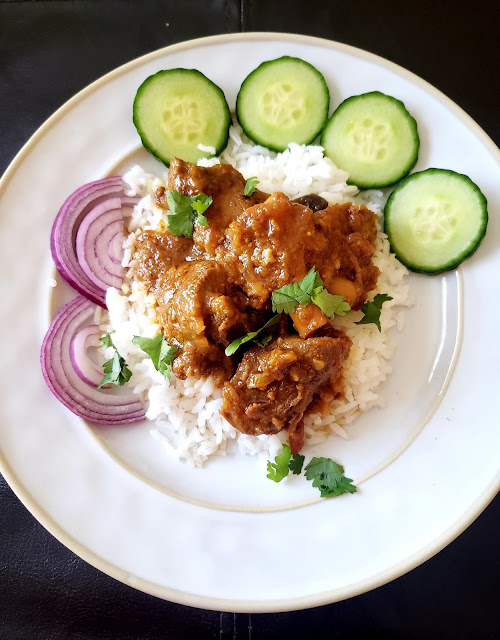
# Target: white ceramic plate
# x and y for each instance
(225, 537)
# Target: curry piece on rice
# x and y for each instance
(217, 287)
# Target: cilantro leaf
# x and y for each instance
(181, 218)
(250, 186)
(325, 474)
(116, 369)
(284, 300)
(311, 281)
(236, 344)
(278, 469)
(200, 204)
(330, 304)
(106, 341)
(295, 464)
(202, 220)
(184, 210)
(329, 477)
(372, 310)
(160, 352)
(263, 341)
(309, 289)
(288, 297)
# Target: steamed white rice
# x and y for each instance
(184, 414)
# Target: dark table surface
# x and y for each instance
(49, 50)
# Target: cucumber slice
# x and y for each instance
(435, 219)
(176, 110)
(374, 138)
(282, 101)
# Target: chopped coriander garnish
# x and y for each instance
(160, 352)
(330, 305)
(236, 344)
(295, 464)
(325, 474)
(250, 186)
(200, 204)
(263, 341)
(372, 310)
(116, 369)
(184, 210)
(106, 341)
(311, 281)
(279, 468)
(283, 464)
(286, 299)
(309, 289)
(329, 477)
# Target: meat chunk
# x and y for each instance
(343, 249)
(201, 313)
(273, 386)
(276, 242)
(225, 185)
(158, 251)
(271, 242)
(308, 319)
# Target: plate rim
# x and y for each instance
(192, 599)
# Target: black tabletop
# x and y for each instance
(50, 49)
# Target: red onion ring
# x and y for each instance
(62, 239)
(115, 247)
(113, 232)
(88, 371)
(95, 405)
(91, 282)
(95, 263)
